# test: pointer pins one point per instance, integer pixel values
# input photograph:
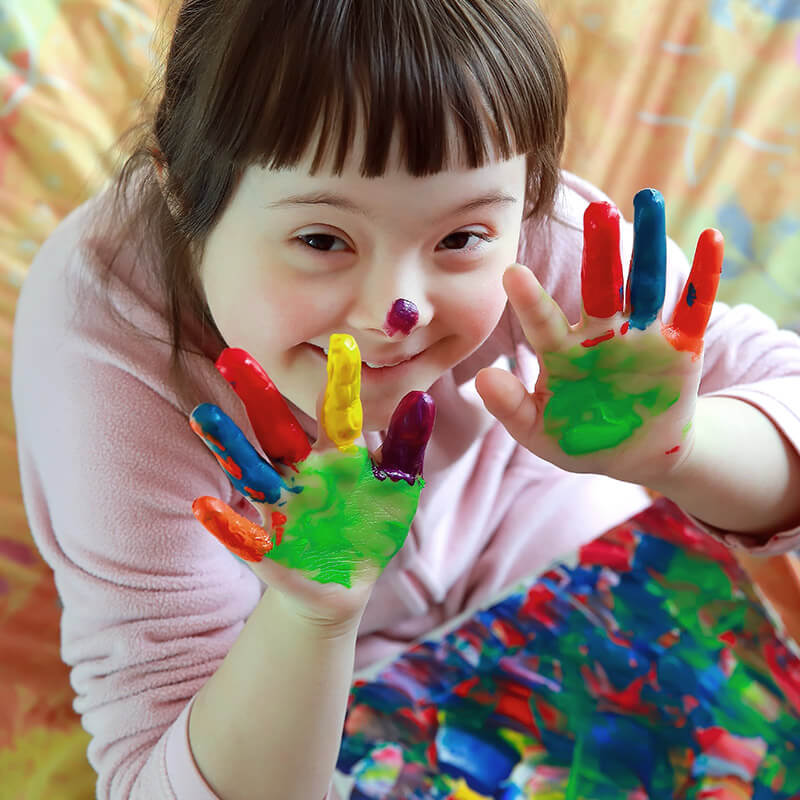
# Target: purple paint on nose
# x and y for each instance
(403, 316)
(409, 431)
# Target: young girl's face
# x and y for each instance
(296, 257)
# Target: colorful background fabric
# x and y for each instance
(70, 76)
(699, 98)
(647, 669)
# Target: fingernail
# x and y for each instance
(410, 429)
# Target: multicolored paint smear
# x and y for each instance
(625, 370)
(333, 514)
(649, 669)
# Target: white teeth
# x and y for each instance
(326, 347)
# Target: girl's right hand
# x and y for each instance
(332, 517)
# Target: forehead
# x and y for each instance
(396, 194)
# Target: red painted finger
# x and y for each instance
(274, 424)
(601, 268)
(241, 536)
(688, 325)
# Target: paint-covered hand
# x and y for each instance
(332, 516)
(616, 393)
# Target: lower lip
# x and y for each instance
(375, 373)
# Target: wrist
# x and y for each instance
(740, 473)
(311, 623)
(684, 474)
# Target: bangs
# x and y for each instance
(455, 83)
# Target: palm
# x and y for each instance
(346, 523)
(331, 518)
(616, 393)
(633, 396)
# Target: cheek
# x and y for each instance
(473, 304)
(259, 309)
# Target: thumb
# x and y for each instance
(506, 398)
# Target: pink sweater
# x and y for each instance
(152, 603)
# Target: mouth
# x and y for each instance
(375, 368)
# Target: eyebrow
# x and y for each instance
(344, 204)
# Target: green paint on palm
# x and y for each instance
(345, 522)
(600, 393)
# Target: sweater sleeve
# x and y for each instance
(746, 356)
(749, 358)
(109, 468)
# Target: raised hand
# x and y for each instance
(616, 393)
(330, 514)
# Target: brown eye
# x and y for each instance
(322, 241)
(460, 240)
(456, 241)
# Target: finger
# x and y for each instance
(249, 473)
(410, 429)
(276, 428)
(689, 322)
(342, 415)
(543, 322)
(509, 401)
(601, 267)
(647, 278)
(241, 536)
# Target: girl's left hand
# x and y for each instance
(616, 393)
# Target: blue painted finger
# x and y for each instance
(647, 279)
(249, 473)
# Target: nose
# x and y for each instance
(392, 301)
(403, 316)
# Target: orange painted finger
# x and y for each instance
(241, 536)
(688, 325)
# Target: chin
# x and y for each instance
(380, 402)
(377, 416)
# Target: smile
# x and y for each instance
(370, 366)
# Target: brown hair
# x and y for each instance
(260, 81)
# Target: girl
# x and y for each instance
(370, 170)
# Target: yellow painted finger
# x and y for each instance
(342, 416)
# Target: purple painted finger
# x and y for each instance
(409, 431)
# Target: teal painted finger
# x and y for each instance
(249, 473)
(647, 279)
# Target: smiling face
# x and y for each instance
(296, 257)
